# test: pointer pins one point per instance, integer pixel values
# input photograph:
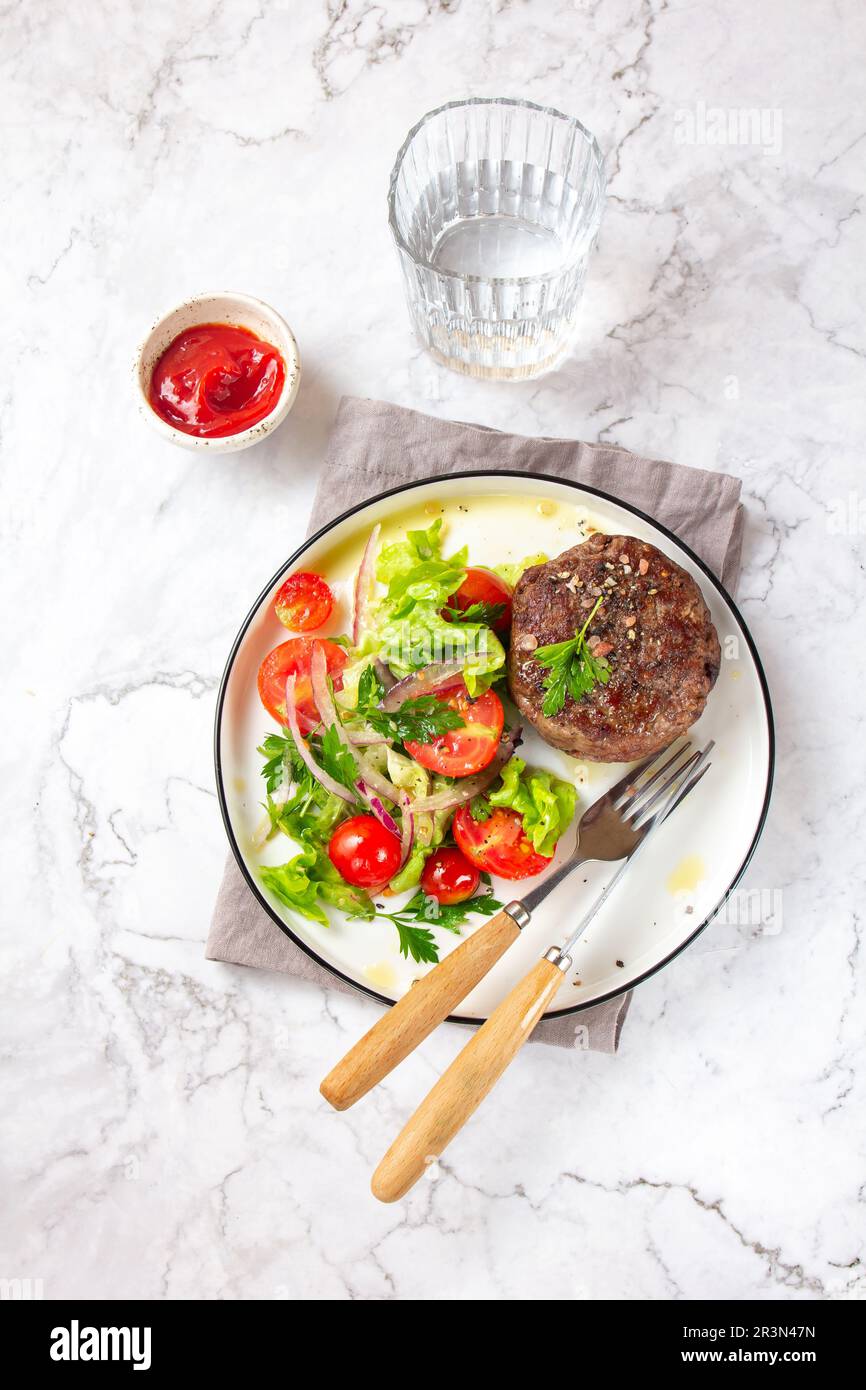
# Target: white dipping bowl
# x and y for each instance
(240, 311)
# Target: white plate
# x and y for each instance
(670, 893)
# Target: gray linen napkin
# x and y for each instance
(375, 446)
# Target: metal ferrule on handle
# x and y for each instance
(519, 914)
(558, 957)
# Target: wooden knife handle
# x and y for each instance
(427, 1003)
(461, 1089)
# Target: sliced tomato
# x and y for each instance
(461, 752)
(449, 877)
(304, 602)
(293, 658)
(483, 586)
(498, 845)
(364, 852)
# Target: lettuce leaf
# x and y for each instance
(429, 825)
(545, 803)
(415, 571)
(346, 698)
(308, 819)
(407, 630)
(410, 874)
(294, 887)
(422, 637)
(309, 878)
(432, 582)
(406, 774)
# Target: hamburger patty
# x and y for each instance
(653, 627)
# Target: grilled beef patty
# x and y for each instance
(653, 627)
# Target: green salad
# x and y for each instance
(395, 769)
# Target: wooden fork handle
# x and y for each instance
(429, 1001)
(461, 1089)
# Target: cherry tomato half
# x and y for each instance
(483, 586)
(498, 845)
(461, 752)
(449, 877)
(364, 852)
(293, 658)
(304, 602)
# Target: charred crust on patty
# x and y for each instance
(654, 629)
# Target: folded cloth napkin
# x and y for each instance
(375, 446)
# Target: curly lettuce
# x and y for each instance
(309, 818)
(409, 630)
(425, 636)
(309, 879)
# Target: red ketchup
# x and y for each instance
(214, 380)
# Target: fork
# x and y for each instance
(475, 1070)
(606, 831)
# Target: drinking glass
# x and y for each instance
(494, 206)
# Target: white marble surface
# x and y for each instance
(164, 1132)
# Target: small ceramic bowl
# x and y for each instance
(241, 311)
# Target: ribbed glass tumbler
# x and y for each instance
(494, 206)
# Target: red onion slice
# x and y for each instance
(365, 737)
(374, 781)
(384, 674)
(322, 694)
(364, 585)
(422, 682)
(382, 816)
(470, 786)
(319, 773)
(408, 834)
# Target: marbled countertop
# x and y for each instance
(166, 1137)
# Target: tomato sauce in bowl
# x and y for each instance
(215, 380)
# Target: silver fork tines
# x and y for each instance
(646, 795)
(675, 789)
(659, 787)
(628, 783)
(639, 816)
(627, 792)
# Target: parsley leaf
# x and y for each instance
(284, 762)
(337, 759)
(417, 941)
(418, 721)
(452, 916)
(487, 613)
(480, 808)
(370, 688)
(274, 770)
(572, 668)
